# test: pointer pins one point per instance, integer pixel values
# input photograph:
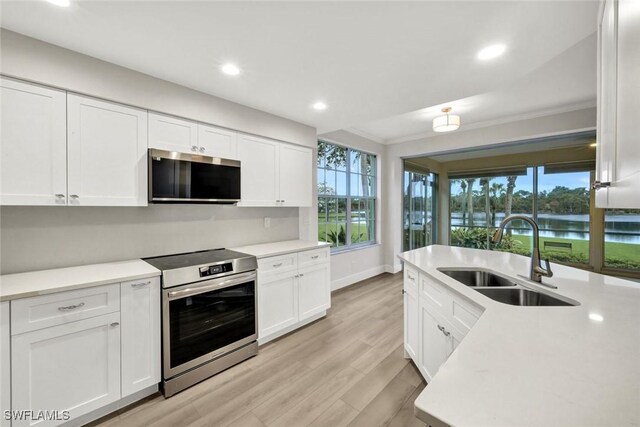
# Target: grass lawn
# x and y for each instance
(625, 252)
(359, 232)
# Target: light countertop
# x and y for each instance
(280, 248)
(537, 366)
(23, 285)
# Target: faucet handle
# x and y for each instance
(548, 271)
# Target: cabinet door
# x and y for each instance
(33, 135)
(107, 151)
(411, 324)
(5, 363)
(435, 346)
(259, 180)
(295, 169)
(172, 134)
(277, 303)
(314, 290)
(217, 142)
(140, 333)
(73, 367)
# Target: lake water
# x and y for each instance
(618, 228)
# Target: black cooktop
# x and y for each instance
(188, 259)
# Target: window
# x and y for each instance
(346, 196)
(557, 197)
(419, 211)
(622, 239)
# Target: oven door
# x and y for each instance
(204, 320)
(190, 178)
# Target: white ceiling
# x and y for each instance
(377, 65)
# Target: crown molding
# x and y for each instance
(365, 135)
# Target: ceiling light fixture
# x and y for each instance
(446, 123)
(230, 69)
(319, 106)
(61, 3)
(595, 316)
(492, 51)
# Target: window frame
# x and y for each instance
(372, 223)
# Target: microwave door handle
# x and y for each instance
(211, 285)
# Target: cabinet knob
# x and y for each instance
(194, 148)
(202, 149)
(74, 196)
(114, 324)
(600, 184)
(59, 196)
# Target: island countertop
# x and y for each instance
(537, 366)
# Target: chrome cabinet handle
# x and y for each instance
(202, 149)
(315, 257)
(410, 277)
(301, 275)
(74, 196)
(277, 265)
(600, 184)
(139, 285)
(60, 196)
(444, 331)
(71, 307)
(404, 292)
(114, 324)
(194, 148)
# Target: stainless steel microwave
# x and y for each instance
(191, 178)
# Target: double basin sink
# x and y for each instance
(503, 289)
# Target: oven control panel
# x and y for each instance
(216, 269)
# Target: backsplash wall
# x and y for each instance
(37, 238)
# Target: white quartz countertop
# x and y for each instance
(23, 285)
(280, 248)
(537, 366)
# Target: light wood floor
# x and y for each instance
(345, 369)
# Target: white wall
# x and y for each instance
(358, 264)
(557, 124)
(35, 238)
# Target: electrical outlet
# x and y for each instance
(267, 222)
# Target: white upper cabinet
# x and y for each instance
(217, 142)
(274, 173)
(259, 171)
(172, 134)
(618, 151)
(107, 147)
(34, 145)
(295, 175)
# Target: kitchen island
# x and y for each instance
(575, 365)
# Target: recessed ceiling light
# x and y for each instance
(61, 3)
(319, 106)
(595, 316)
(230, 69)
(492, 51)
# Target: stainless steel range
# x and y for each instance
(209, 314)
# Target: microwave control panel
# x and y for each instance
(216, 269)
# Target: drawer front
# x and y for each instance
(411, 277)
(316, 256)
(465, 313)
(30, 314)
(435, 294)
(278, 264)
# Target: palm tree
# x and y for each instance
(496, 191)
(470, 182)
(508, 203)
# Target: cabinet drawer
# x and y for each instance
(411, 277)
(315, 256)
(30, 314)
(465, 313)
(277, 264)
(435, 294)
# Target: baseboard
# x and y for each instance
(357, 277)
(393, 269)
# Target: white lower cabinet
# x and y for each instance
(73, 367)
(100, 344)
(5, 363)
(292, 289)
(436, 320)
(140, 336)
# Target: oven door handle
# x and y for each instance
(211, 285)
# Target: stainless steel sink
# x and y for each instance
(522, 297)
(477, 278)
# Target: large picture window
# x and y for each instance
(346, 196)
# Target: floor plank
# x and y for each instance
(347, 368)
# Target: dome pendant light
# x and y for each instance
(446, 123)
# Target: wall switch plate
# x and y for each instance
(267, 222)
